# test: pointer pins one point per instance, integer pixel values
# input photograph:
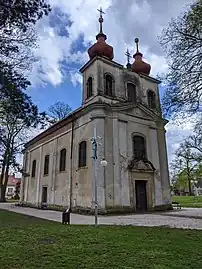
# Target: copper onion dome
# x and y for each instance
(101, 48)
(139, 66)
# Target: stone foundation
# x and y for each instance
(90, 211)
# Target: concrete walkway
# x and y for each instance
(136, 219)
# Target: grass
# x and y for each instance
(30, 243)
(188, 201)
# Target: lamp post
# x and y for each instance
(103, 164)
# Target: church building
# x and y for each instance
(122, 105)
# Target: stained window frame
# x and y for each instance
(134, 97)
(82, 154)
(139, 153)
(46, 165)
(106, 91)
(89, 91)
(33, 169)
(151, 100)
(63, 158)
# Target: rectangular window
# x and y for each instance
(33, 168)
(46, 165)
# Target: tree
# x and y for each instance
(17, 33)
(184, 164)
(17, 112)
(58, 111)
(182, 42)
(17, 115)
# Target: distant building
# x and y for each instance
(10, 189)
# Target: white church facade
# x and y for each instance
(123, 104)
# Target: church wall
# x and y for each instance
(109, 170)
(61, 180)
(166, 195)
(82, 176)
(149, 85)
(117, 74)
(91, 71)
(123, 185)
(32, 182)
(153, 140)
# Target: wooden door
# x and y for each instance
(141, 195)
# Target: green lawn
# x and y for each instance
(188, 201)
(27, 242)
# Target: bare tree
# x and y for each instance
(58, 111)
(182, 42)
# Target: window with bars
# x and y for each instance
(46, 165)
(131, 92)
(34, 168)
(139, 147)
(82, 154)
(151, 96)
(62, 160)
(109, 85)
(89, 87)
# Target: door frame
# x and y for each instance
(146, 193)
(44, 186)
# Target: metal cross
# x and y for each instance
(101, 12)
(128, 55)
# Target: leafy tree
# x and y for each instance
(17, 33)
(182, 42)
(58, 111)
(17, 112)
(184, 164)
(17, 115)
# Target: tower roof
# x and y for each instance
(101, 48)
(139, 66)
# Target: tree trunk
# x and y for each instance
(190, 190)
(2, 194)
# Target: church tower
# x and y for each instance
(128, 117)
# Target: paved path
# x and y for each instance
(136, 219)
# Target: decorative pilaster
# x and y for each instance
(38, 177)
(27, 179)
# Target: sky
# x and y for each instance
(70, 29)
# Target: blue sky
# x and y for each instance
(67, 33)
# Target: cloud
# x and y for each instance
(122, 23)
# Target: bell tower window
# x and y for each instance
(109, 85)
(89, 87)
(131, 92)
(151, 97)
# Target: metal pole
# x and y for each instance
(95, 175)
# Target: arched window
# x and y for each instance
(151, 97)
(34, 168)
(131, 92)
(109, 84)
(139, 147)
(89, 87)
(62, 160)
(82, 154)
(46, 165)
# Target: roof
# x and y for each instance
(54, 127)
(12, 180)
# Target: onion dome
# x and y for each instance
(139, 66)
(101, 48)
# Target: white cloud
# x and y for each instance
(122, 23)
